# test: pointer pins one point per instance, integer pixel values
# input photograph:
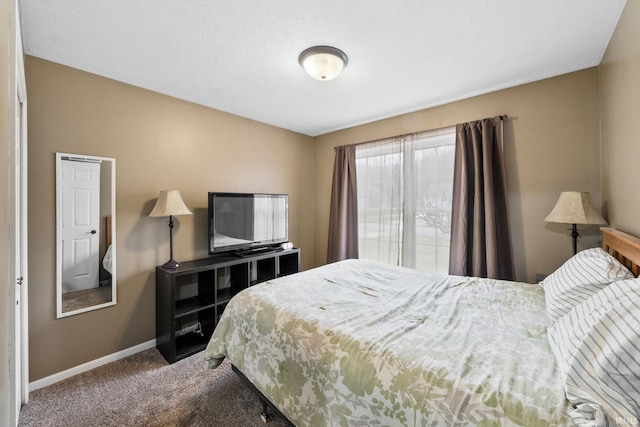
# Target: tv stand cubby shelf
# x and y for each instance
(191, 298)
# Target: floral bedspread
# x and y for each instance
(358, 343)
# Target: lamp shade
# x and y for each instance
(323, 62)
(574, 207)
(169, 204)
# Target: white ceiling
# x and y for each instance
(241, 56)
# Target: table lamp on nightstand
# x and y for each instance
(170, 204)
(575, 207)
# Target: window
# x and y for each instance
(405, 187)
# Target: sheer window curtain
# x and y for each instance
(381, 200)
(404, 199)
(343, 215)
(480, 235)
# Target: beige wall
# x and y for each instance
(551, 145)
(159, 143)
(7, 95)
(620, 104)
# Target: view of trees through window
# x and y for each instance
(405, 187)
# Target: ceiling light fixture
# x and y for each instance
(323, 62)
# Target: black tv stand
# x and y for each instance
(246, 253)
(191, 298)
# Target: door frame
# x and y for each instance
(21, 326)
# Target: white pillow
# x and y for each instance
(581, 276)
(597, 345)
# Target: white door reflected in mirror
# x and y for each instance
(80, 188)
(85, 220)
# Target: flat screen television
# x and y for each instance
(247, 222)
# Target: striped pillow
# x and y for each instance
(597, 346)
(581, 276)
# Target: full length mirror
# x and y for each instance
(85, 233)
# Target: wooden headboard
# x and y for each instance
(108, 230)
(623, 246)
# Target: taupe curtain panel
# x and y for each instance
(480, 236)
(343, 217)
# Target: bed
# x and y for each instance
(107, 260)
(360, 343)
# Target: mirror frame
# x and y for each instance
(59, 158)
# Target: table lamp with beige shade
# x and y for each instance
(575, 207)
(170, 204)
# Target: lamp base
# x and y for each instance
(172, 263)
(574, 236)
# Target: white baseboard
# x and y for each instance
(52, 379)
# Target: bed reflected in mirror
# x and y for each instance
(85, 233)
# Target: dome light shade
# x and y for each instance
(323, 62)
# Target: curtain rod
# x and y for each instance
(501, 116)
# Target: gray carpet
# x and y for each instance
(78, 300)
(144, 390)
